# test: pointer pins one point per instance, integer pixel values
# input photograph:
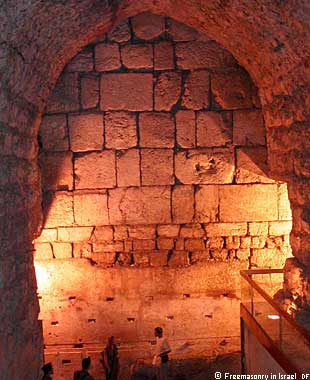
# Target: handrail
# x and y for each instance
(246, 275)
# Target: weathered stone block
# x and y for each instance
(65, 96)
(157, 167)
(180, 32)
(243, 254)
(214, 129)
(285, 212)
(232, 242)
(121, 33)
(82, 250)
(167, 91)
(156, 130)
(240, 203)
(268, 258)
(186, 128)
(258, 228)
(206, 204)
(126, 91)
(158, 258)
(141, 259)
(140, 205)
(280, 228)
(103, 233)
(128, 168)
(143, 245)
(196, 90)
(179, 259)
(258, 242)
(62, 250)
(104, 258)
(246, 242)
(199, 55)
(58, 209)
(205, 166)
(182, 204)
(226, 229)
(57, 171)
(192, 231)
(47, 235)
(252, 165)
(200, 256)
(53, 132)
(180, 244)
(142, 232)
(43, 251)
(125, 259)
(194, 245)
(120, 232)
(95, 170)
(86, 132)
(215, 243)
(233, 90)
(107, 57)
(108, 246)
(168, 230)
(128, 245)
(91, 208)
(74, 234)
(82, 62)
(165, 243)
(89, 91)
(249, 128)
(137, 56)
(163, 56)
(148, 26)
(120, 130)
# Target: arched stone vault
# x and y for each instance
(269, 38)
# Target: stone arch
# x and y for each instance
(269, 39)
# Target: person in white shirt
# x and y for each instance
(161, 354)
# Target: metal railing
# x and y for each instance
(283, 338)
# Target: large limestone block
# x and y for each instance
(214, 129)
(241, 203)
(90, 208)
(157, 167)
(148, 26)
(144, 205)
(206, 203)
(186, 128)
(285, 211)
(252, 165)
(196, 94)
(107, 57)
(163, 56)
(95, 170)
(249, 128)
(86, 132)
(205, 166)
(167, 91)
(137, 56)
(226, 229)
(74, 234)
(182, 204)
(128, 167)
(156, 130)
(126, 91)
(199, 55)
(120, 130)
(58, 209)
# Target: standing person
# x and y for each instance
(48, 371)
(110, 360)
(84, 374)
(162, 351)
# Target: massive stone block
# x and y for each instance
(182, 204)
(167, 91)
(205, 166)
(186, 128)
(126, 91)
(156, 130)
(214, 129)
(58, 209)
(107, 57)
(57, 171)
(240, 203)
(249, 128)
(163, 56)
(207, 204)
(90, 208)
(128, 168)
(95, 170)
(89, 91)
(142, 205)
(157, 167)
(148, 26)
(137, 56)
(86, 132)
(120, 130)
(196, 94)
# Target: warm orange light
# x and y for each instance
(42, 276)
(273, 316)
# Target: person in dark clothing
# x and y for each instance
(84, 374)
(110, 360)
(48, 371)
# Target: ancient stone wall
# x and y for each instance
(156, 190)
